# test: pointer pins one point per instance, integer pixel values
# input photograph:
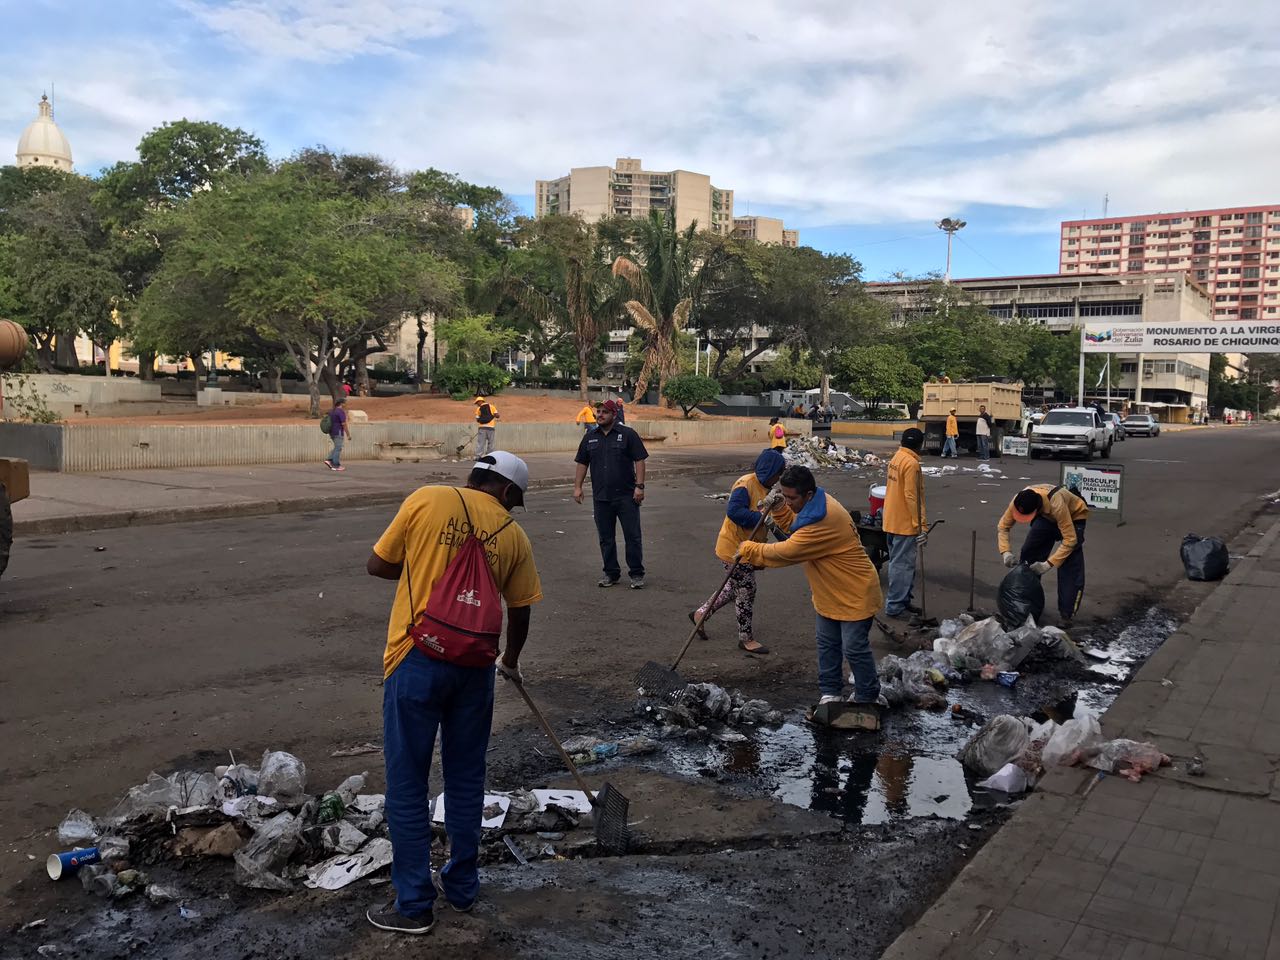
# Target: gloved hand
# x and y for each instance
(921, 539)
(774, 529)
(1009, 559)
(770, 503)
(511, 673)
(1041, 568)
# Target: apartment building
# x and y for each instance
(765, 230)
(627, 190)
(1174, 386)
(1233, 252)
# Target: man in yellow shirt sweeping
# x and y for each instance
(846, 588)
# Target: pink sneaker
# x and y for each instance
(339, 469)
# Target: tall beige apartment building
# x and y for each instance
(625, 190)
(765, 230)
(1233, 252)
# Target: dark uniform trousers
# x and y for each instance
(1041, 539)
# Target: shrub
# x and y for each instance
(688, 390)
(461, 379)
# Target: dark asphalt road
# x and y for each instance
(175, 644)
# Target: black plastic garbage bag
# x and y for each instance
(1205, 558)
(1020, 596)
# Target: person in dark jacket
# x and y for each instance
(615, 455)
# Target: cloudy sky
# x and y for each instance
(859, 121)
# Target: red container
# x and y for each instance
(876, 500)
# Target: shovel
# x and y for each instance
(924, 608)
(663, 683)
(608, 808)
(457, 452)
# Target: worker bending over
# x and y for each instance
(1056, 516)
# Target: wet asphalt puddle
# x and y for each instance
(908, 770)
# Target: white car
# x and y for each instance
(1070, 430)
(1141, 425)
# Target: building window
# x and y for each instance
(1128, 366)
(1253, 217)
(1249, 313)
(1046, 310)
(1251, 273)
(1129, 308)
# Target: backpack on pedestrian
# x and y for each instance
(462, 622)
(326, 424)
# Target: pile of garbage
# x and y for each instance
(983, 647)
(818, 453)
(1013, 752)
(705, 703)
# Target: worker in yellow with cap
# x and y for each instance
(845, 586)
(1056, 516)
(953, 434)
(486, 421)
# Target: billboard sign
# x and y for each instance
(1230, 336)
(1101, 487)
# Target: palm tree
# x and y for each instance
(663, 281)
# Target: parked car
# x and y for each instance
(1142, 425)
(1073, 430)
(1118, 421)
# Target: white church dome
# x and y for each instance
(42, 144)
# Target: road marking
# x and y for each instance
(1144, 460)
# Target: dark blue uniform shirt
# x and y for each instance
(612, 458)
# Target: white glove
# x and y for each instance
(1041, 568)
(922, 539)
(1009, 559)
(511, 673)
(770, 503)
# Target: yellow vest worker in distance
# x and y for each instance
(904, 522)
(777, 435)
(846, 588)
(586, 417)
(423, 696)
(1057, 516)
(742, 516)
(953, 434)
(486, 420)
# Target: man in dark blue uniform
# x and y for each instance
(616, 455)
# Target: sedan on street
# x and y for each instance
(1141, 425)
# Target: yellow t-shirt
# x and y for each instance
(904, 495)
(586, 415)
(777, 437)
(430, 527)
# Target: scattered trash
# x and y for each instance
(1204, 558)
(1128, 758)
(360, 749)
(180, 790)
(1007, 678)
(32, 925)
(1195, 767)
(187, 913)
(99, 880)
(493, 815)
(258, 863)
(48, 950)
(709, 496)
(342, 837)
(1020, 598)
(160, 893)
(573, 800)
(337, 872)
(220, 841)
(818, 453)
(61, 865)
(997, 743)
(516, 852)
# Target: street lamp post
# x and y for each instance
(950, 227)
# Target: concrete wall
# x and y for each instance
(73, 388)
(101, 447)
(871, 428)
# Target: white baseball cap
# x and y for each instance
(509, 467)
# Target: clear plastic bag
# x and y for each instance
(77, 829)
(1074, 741)
(282, 776)
(1129, 758)
(1000, 741)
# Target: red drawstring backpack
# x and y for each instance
(463, 619)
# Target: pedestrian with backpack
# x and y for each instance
(334, 423)
(456, 554)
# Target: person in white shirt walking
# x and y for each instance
(983, 430)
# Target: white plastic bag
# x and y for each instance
(1009, 778)
(1072, 742)
(282, 776)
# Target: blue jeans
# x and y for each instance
(608, 514)
(984, 447)
(841, 640)
(950, 444)
(902, 571)
(420, 697)
(335, 455)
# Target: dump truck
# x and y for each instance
(1002, 400)
(15, 481)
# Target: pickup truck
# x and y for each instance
(1070, 430)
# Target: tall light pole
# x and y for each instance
(950, 227)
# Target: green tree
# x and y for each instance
(474, 338)
(687, 390)
(792, 369)
(878, 373)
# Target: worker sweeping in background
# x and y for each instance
(953, 435)
(741, 518)
(846, 588)
(1056, 516)
(904, 522)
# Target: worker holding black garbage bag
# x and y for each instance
(1057, 516)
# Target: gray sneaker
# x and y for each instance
(879, 701)
(606, 581)
(637, 583)
(389, 918)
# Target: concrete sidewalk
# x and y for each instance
(1172, 867)
(62, 502)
